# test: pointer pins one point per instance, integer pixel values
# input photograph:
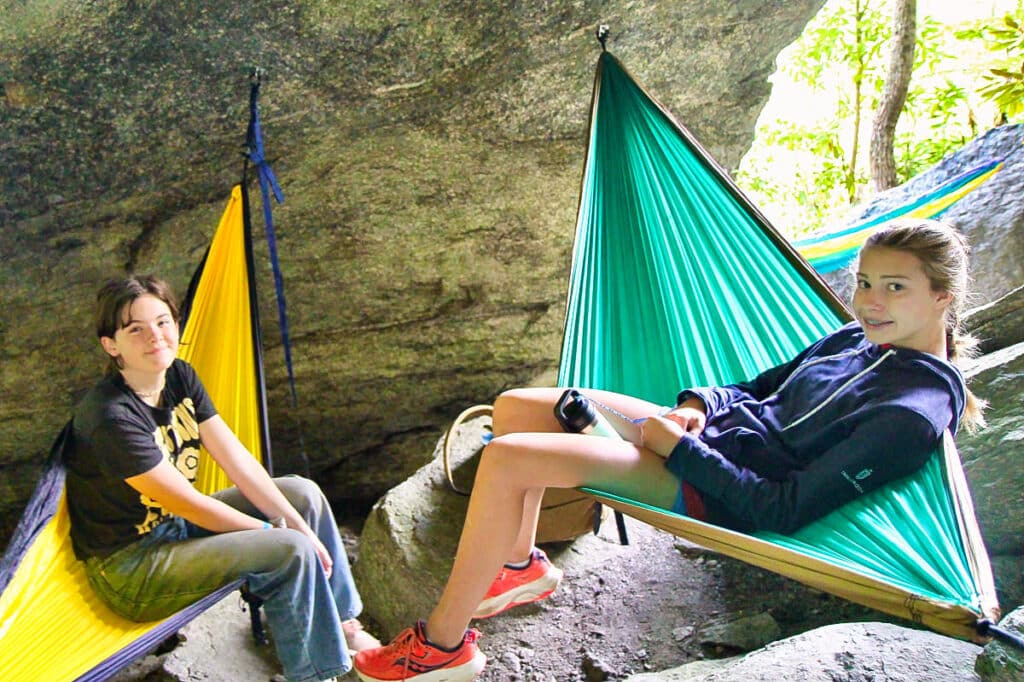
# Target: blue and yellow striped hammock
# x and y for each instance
(678, 280)
(834, 250)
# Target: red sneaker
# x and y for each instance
(516, 586)
(410, 656)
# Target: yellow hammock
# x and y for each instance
(52, 626)
(834, 250)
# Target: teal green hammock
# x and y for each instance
(678, 280)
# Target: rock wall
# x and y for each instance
(430, 155)
(992, 456)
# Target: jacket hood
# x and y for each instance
(946, 371)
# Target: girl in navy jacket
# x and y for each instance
(863, 406)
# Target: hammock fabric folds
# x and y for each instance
(678, 280)
(46, 601)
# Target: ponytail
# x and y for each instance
(962, 346)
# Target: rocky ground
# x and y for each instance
(621, 611)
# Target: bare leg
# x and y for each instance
(531, 410)
(526, 538)
(514, 470)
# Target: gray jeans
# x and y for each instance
(178, 563)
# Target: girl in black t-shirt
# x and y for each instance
(152, 543)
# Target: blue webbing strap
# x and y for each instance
(268, 183)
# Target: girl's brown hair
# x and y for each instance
(943, 252)
(115, 298)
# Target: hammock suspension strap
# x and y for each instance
(268, 184)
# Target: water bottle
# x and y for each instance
(576, 415)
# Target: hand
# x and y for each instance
(661, 435)
(325, 557)
(691, 415)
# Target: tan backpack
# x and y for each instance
(565, 513)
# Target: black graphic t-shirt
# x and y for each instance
(117, 436)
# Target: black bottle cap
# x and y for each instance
(574, 412)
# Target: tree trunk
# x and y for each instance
(858, 80)
(894, 96)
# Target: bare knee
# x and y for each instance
(499, 459)
(514, 401)
(499, 451)
(526, 409)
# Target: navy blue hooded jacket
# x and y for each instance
(842, 418)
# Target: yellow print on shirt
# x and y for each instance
(179, 444)
(154, 514)
(181, 440)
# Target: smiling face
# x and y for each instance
(895, 303)
(147, 340)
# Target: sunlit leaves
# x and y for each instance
(1005, 83)
(802, 168)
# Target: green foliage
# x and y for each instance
(841, 62)
(1004, 81)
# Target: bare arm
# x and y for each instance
(254, 481)
(167, 487)
(247, 473)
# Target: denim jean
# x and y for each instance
(178, 563)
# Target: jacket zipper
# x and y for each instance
(839, 390)
(812, 363)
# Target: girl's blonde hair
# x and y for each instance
(943, 252)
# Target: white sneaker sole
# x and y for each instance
(530, 592)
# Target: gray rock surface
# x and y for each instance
(851, 652)
(992, 457)
(992, 216)
(430, 155)
(744, 633)
(1000, 323)
(215, 647)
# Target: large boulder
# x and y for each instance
(430, 156)
(992, 456)
(855, 651)
(992, 216)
